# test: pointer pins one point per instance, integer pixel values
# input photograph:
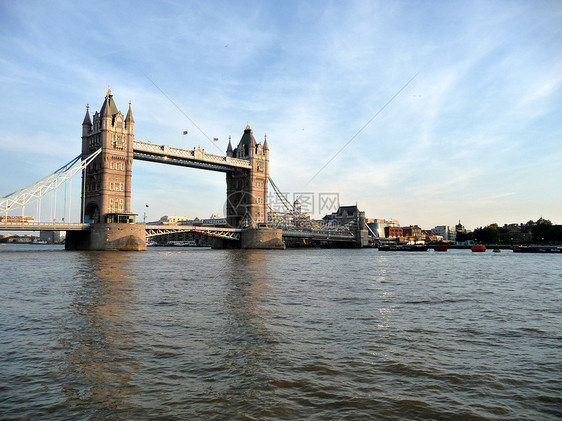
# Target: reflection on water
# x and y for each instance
(247, 287)
(98, 368)
(242, 344)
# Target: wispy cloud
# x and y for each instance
(309, 74)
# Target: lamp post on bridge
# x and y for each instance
(146, 206)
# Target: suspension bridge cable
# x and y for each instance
(50, 183)
(181, 111)
(281, 197)
(362, 128)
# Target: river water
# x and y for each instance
(279, 335)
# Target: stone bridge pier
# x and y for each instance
(108, 236)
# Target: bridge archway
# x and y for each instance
(92, 214)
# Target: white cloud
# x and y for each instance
(310, 75)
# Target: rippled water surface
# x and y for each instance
(268, 335)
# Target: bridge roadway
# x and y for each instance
(195, 158)
(234, 233)
(155, 230)
(320, 235)
(151, 230)
(42, 226)
(217, 232)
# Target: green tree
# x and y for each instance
(463, 236)
(487, 235)
(545, 232)
(542, 221)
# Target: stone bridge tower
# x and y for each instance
(107, 181)
(246, 189)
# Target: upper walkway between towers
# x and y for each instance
(196, 158)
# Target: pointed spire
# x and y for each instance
(108, 108)
(129, 118)
(87, 121)
(247, 144)
(229, 151)
(105, 109)
(253, 142)
(265, 146)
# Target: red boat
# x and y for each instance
(440, 247)
(479, 248)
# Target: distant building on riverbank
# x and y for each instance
(377, 226)
(344, 215)
(449, 233)
(413, 231)
(393, 232)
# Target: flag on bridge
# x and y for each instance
(215, 139)
(185, 132)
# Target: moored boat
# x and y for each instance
(440, 247)
(181, 244)
(404, 247)
(533, 249)
(478, 248)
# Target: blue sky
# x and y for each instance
(476, 135)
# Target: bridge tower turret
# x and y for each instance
(107, 181)
(246, 189)
(229, 152)
(87, 123)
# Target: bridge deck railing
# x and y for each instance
(43, 226)
(190, 154)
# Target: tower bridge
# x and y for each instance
(107, 222)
